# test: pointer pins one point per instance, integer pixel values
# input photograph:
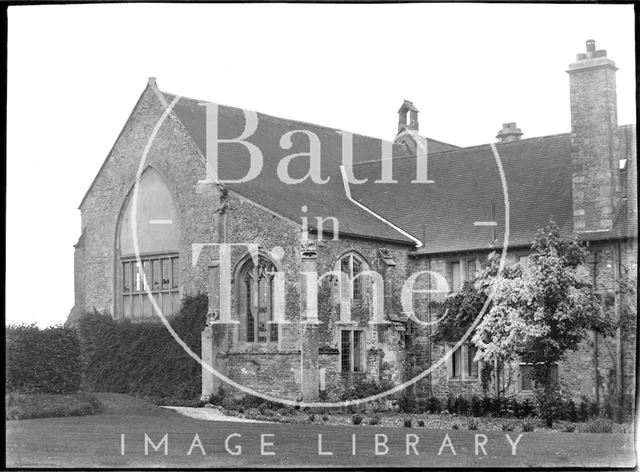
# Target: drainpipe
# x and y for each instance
(496, 376)
(595, 332)
(429, 326)
(616, 309)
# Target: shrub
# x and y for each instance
(476, 406)
(609, 410)
(498, 406)
(143, 359)
(512, 408)
(472, 425)
(528, 426)
(461, 405)
(455, 426)
(42, 360)
(509, 426)
(356, 419)
(451, 403)
(549, 404)
(42, 405)
(250, 401)
(407, 423)
(527, 408)
(407, 403)
(312, 417)
(375, 420)
(597, 425)
(583, 411)
(421, 423)
(325, 418)
(569, 428)
(434, 405)
(230, 403)
(217, 398)
(571, 412)
(486, 405)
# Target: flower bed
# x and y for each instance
(445, 420)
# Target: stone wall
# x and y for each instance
(271, 373)
(180, 165)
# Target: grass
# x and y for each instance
(19, 406)
(94, 442)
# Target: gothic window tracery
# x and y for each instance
(256, 307)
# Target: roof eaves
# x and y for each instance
(474, 249)
(369, 237)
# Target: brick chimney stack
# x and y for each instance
(509, 133)
(594, 140)
(408, 117)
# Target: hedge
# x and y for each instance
(42, 360)
(143, 359)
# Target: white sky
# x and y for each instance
(76, 71)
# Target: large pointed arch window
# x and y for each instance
(256, 301)
(158, 244)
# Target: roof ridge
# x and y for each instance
(442, 142)
(290, 120)
(475, 146)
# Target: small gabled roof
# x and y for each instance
(407, 105)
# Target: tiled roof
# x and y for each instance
(467, 189)
(322, 200)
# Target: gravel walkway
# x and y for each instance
(209, 414)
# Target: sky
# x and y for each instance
(75, 73)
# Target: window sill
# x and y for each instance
(462, 379)
(353, 324)
(257, 347)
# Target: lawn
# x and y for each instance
(21, 406)
(135, 440)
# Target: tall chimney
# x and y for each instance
(594, 140)
(509, 132)
(408, 117)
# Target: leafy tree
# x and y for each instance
(461, 308)
(542, 312)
